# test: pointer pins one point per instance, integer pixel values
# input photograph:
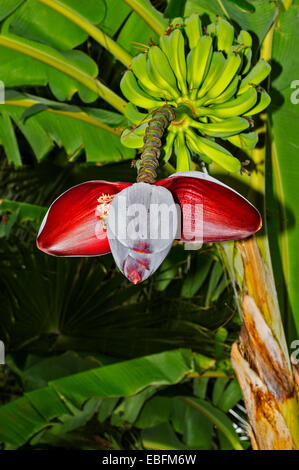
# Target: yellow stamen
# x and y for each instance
(102, 209)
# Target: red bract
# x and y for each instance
(226, 214)
(75, 224)
(72, 225)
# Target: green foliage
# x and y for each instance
(45, 123)
(282, 194)
(59, 400)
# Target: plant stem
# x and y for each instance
(223, 8)
(149, 14)
(152, 143)
(115, 49)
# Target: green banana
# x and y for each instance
(140, 130)
(256, 75)
(226, 95)
(135, 94)
(168, 146)
(243, 47)
(244, 38)
(236, 107)
(173, 47)
(222, 128)
(218, 154)
(135, 116)
(193, 29)
(247, 60)
(177, 22)
(225, 35)
(192, 144)
(139, 67)
(263, 101)
(214, 74)
(245, 141)
(198, 62)
(160, 71)
(130, 139)
(182, 153)
(211, 29)
(230, 69)
(218, 83)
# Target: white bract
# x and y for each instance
(143, 222)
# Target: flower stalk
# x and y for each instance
(156, 127)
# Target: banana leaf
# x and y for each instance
(283, 169)
(24, 417)
(45, 123)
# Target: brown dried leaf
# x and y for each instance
(268, 429)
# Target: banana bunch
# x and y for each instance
(206, 76)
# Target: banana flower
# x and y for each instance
(138, 222)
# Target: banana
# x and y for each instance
(214, 74)
(226, 95)
(173, 47)
(198, 62)
(130, 139)
(218, 154)
(192, 144)
(139, 67)
(256, 75)
(177, 22)
(222, 128)
(236, 107)
(160, 71)
(211, 29)
(263, 101)
(193, 29)
(245, 141)
(247, 60)
(182, 153)
(135, 116)
(225, 35)
(245, 39)
(168, 146)
(230, 69)
(135, 94)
